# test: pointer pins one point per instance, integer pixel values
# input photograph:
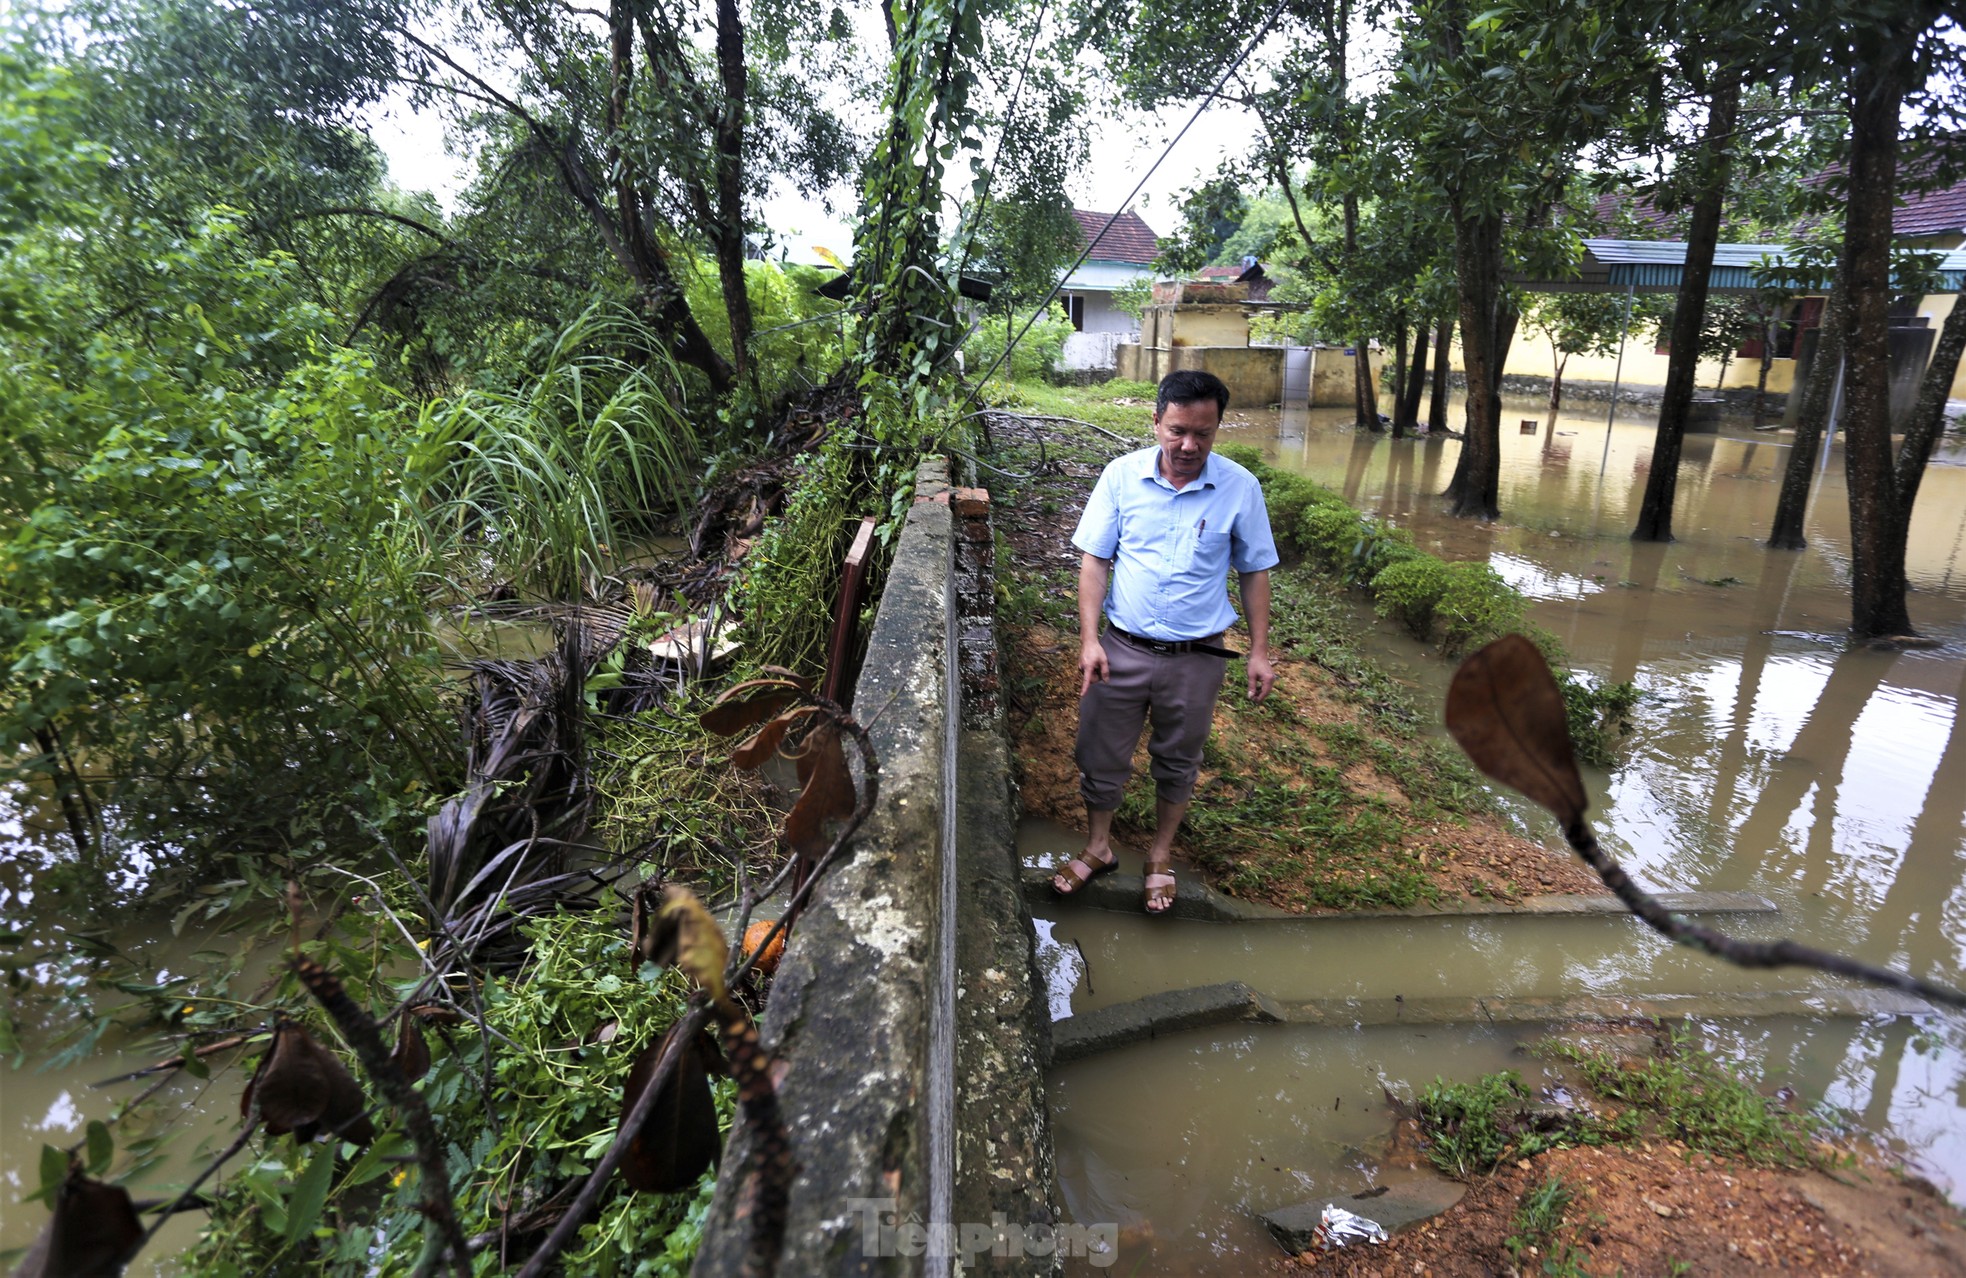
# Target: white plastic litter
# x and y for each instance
(1340, 1228)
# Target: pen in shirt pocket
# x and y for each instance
(1201, 528)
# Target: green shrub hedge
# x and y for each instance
(1460, 606)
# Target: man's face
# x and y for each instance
(1185, 433)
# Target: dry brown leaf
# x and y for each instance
(412, 1054)
(94, 1232)
(1506, 711)
(763, 743)
(678, 1140)
(827, 794)
(748, 704)
(300, 1087)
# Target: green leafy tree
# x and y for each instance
(1532, 86)
(214, 595)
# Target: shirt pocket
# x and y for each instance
(1203, 554)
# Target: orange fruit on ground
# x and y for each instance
(754, 936)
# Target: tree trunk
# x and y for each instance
(1928, 415)
(624, 230)
(1365, 396)
(1475, 490)
(1406, 410)
(1556, 399)
(1877, 548)
(1761, 381)
(1716, 157)
(1437, 399)
(1818, 397)
(1365, 389)
(1399, 380)
(728, 230)
(1501, 337)
(1508, 317)
(76, 806)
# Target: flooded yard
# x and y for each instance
(1768, 755)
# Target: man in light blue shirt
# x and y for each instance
(1162, 529)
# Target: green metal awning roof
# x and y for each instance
(1656, 266)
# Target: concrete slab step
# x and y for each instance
(1393, 1208)
(1171, 1012)
(1196, 901)
(1231, 1002)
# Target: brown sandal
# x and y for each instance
(1093, 869)
(1161, 896)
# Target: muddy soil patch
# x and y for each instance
(1657, 1209)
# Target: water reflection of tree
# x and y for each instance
(1357, 463)
(1930, 872)
(1814, 760)
(1640, 585)
(1764, 614)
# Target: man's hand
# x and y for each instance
(1262, 675)
(1092, 665)
(1093, 573)
(1256, 607)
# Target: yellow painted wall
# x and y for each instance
(1253, 374)
(1192, 324)
(1331, 377)
(1531, 355)
(1938, 307)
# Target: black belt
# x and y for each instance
(1171, 648)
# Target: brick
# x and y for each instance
(972, 503)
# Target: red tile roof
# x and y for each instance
(1130, 240)
(1935, 212)
(1932, 212)
(1219, 272)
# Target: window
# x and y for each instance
(1075, 311)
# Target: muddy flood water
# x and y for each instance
(1768, 755)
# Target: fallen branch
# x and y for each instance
(766, 1198)
(171, 1063)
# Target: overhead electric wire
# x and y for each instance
(1093, 243)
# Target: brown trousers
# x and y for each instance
(1177, 692)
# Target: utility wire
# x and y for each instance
(1093, 243)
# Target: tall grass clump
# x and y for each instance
(785, 592)
(550, 475)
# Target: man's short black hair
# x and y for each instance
(1191, 386)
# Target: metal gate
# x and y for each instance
(1296, 376)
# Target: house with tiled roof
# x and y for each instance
(1123, 253)
(1932, 216)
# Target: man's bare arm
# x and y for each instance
(1255, 588)
(1093, 572)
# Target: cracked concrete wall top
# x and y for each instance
(849, 1009)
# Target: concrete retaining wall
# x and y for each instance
(899, 1139)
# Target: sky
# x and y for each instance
(1124, 146)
